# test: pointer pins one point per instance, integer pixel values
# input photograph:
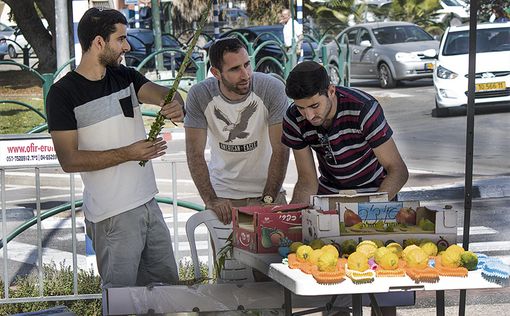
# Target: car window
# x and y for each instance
(400, 34)
(364, 36)
(487, 40)
(351, 35)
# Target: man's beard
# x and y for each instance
(109, 58)
(233, 88)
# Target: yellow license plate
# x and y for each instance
(429, 66)
(490, 86)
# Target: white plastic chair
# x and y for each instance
(233, 271)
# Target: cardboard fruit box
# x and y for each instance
(264, 228)
(382, 220)
(329, 201)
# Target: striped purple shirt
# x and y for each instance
(345, 155)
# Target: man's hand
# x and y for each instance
(146, 150)
(222, 208)
(172, 111)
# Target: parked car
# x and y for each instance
(492, 77)
(453, 11)
(5, 31)
(142, 45)
(3, 48)
(262, 33)
(389, 51)
(15, 50)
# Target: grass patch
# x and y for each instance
(59, 281)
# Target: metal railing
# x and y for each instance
(72, 205)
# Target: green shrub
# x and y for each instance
(59, 281)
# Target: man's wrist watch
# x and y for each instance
(267, 199)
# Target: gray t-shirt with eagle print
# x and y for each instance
(237, 132)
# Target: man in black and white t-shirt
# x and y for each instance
(240, 113)
(96, 125)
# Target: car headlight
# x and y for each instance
(444, 73)
(406, 57)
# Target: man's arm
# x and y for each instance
(195, 145)
(155, 94)
(397, 174)
(73, 160)
(307, 183)
(278, 163)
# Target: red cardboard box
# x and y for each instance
(263, 228)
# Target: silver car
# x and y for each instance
(390, 52)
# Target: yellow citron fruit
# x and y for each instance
(367, 249)
(313, 258)
(450, 259)
(407, 250)
(455, 248)
(327, 262)
(331, 249)
(396, 248)
(294, 246)
(380, 252)
(316, 244)
(430, 248)
(357, 261)
(368, 242)
(417, 258)
(303, 252)
(389, 261)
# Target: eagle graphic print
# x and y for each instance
(237, 128)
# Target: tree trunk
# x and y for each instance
(34, 31)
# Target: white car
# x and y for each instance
(492, 77)
(17, 43)
(454, 11)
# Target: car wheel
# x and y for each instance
(386, 80)
(12, 52)
(334, 74)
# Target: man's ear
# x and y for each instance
(99, 42)
(216, 73)
(331, 90)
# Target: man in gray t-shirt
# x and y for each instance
(240, 113)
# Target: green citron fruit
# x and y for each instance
(396, 248)
(348, 246)
(469, 260)
(317, 244)
(294, 246)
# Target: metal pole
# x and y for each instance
(79, 8)
(73, 229)
(4, 232)
(156, 28)
(470, 114)
(62, 34)
(174, 208)
(216, 13)
(39, 230)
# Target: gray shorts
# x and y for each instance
(134, 248)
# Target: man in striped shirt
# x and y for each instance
(348, 132)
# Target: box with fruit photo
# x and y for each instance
(265, 228)
(384, 221)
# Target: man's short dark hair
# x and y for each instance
(306, 80)
(222, 46)
(98, 22)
